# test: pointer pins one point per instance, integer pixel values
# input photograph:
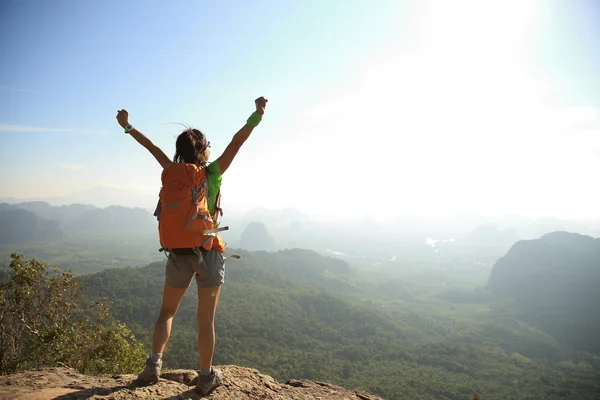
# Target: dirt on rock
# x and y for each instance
(238, 384)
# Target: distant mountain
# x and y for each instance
(64, 214)
(99, 196)
(21, 226)
(113, 217)
(555, 280)
(277, 219)
(256, 236)
(533, 229)
(77, 217)
(490, 235)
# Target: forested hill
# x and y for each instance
(294, 314)
(555, 281)
(78, 217)
(22, 226)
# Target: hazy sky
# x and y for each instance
(421, 107)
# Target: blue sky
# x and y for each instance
(432, 107)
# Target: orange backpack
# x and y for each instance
(184, 220)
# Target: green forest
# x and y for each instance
(296, 314)
(433, 323)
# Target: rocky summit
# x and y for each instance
(238, 384)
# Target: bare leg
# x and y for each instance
(162, 329)
(208, 299)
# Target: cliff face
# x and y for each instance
(554, 280)
(238, 383)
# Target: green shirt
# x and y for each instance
(213, 177)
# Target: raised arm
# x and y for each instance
(161, 157)
(242, 135)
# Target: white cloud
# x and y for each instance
(26, 128)
(72, 167)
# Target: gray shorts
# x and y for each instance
(181, 268)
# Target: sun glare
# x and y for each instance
(461, 110)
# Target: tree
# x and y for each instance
(43, 323)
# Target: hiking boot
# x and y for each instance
(206, 384)
(151, 373)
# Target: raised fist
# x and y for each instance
(123, 118)
(260, 103)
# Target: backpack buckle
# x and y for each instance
(213, 232)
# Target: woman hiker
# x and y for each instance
(207, 265)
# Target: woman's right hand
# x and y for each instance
(123, 118)
(260, 103)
